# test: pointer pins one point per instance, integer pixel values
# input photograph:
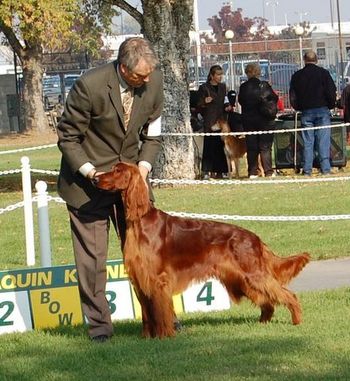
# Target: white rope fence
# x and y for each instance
(280, 131)
(224, 217)
(28, 149)
(263, 180)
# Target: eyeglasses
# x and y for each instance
(139, 76)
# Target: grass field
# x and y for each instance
(219, 346)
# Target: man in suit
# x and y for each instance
(112, 114)
(313, 92)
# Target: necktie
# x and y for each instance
(127, 99)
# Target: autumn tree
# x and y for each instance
(166, 23)
(33, 27)
(241, 26)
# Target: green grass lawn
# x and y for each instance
(217, 346)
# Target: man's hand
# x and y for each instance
(93, 173)
(143, 171)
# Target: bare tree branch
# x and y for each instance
(12, 39)
(132, 11)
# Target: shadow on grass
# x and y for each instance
(126, 328)
(13, 182)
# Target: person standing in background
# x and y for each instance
(211, 99)
(249, 97)
(313, 92)
(345, 105)
(112, 114)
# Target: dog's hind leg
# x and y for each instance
(267, 311)
(266, 292)
(290, 300)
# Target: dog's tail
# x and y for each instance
(285, 269)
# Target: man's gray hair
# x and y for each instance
(135, 48)
(310, 57)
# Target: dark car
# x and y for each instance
(281, 75)
(52, 88)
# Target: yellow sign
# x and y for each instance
(56, 306)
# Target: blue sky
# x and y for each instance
(280, 10)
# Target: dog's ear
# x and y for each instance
(136, 197)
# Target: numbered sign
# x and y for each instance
(120, 300)
(49, 297)
(14, 312)
(208, 296)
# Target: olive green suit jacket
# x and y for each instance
(92, 130)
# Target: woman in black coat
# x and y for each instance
(211, 99)
(249, 98)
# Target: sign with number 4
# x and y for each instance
(208, 296)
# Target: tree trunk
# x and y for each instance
(166, 24)
(34, 114)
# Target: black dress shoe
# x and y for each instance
(100, 338)
(177, 325)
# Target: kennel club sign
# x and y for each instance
(48, 297)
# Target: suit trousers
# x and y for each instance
(90, 232)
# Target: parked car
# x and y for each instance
(239, 70)
(280, 76)
(69, 80)
(52, 89)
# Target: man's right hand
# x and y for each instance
(93, 173)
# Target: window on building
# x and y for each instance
(321, 50)
(347, 50)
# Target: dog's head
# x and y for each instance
(220, 126)
(118, 179)
(127, 178)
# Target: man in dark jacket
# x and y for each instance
(345, 105)
(313, 92)
(112, 114)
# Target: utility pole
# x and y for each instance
(340, 46)
(331, 9)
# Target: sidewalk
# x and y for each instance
(322, 275)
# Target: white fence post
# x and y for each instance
(44, 225)
(28, 211)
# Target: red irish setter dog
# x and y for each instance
(164, 254)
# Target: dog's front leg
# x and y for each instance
(148, 326)
(162, 307)
(236, 166)
(229, 164)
